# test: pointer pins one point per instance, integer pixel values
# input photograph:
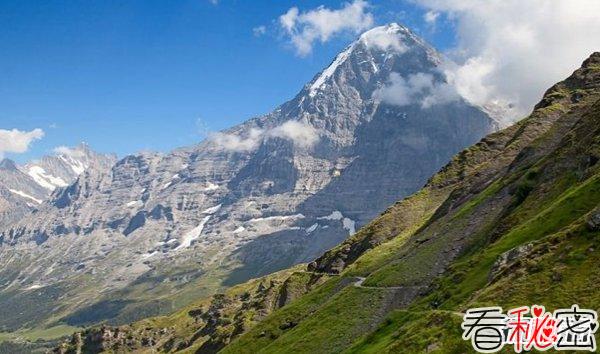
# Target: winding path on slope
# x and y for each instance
(360, 280)
(358, 283)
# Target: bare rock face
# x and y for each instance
(593, 220)
(509, 258)
(274, 191)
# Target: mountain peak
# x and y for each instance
(391, 37)
(390, 28)
(592, 61)
(8, 164)
(375, 54)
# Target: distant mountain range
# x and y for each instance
(154, 231)
(24, 188)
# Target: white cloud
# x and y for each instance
(321, 24)
(18, 141)
(202, 128)
(431, 17)
(259, 31)
(238, 143)
(67, 151)
(397, 91)
(384, 38)
(301, 134)
(513, 50)
(420, 88)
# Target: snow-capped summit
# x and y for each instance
(373, 56)
(61, 169)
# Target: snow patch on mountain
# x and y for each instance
(193, 234)
(327, 73)
(25, 195)
(211, 187)
(335, 215)
(77, 166)
(212, 210)
(347, 223)
(312, 228)
(134, 203)
(44, 179)
(276, 218)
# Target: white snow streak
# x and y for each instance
(347, 223)
(312, 228)
(277, 217)
(193, 234)
(327, 73)
(211, 187)
(134, 203)
(335, 215)
(77, 166)
(25, 195)
(212, 210)
(45, 180)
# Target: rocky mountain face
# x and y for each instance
(24, 188)
(512, 220)
(157, 230)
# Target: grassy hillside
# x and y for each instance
(513, 220)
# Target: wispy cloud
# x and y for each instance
(421, 88)
(383, 39)
(239, 143)
(259, 31)
(431, 17)
(18, 141)
(67, 151)
(321, 24)
(301, 134)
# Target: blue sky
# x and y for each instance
(125, 76)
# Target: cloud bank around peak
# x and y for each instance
(68, 151)
(511, 51)
(301, 134)
(419, 88)
(303, 29)
(383, 39)
(17, 141)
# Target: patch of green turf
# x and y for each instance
(415, 332)
(335, 325)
